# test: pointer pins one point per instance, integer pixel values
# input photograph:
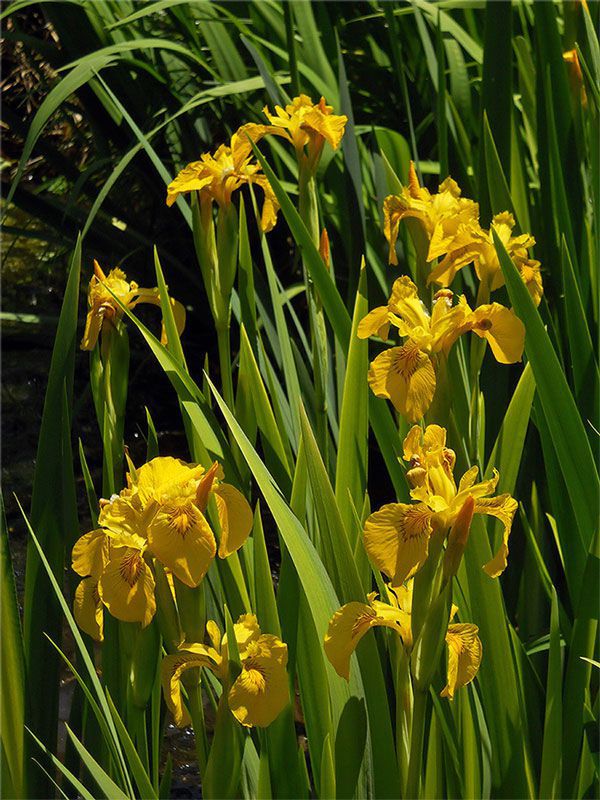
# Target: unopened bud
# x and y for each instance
(324, 247)
(458, 537)
(205, 487)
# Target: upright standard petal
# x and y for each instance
(165, 477)
(404, 375)
(126, 586)
(235, 518)
(464, 656)
(261, 692)
(181, 538)
(396, 539)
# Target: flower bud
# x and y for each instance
(324, 248)
(458, 537)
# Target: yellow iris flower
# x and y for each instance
(396, 537)
(406, 375)
(216, 176)
(352, 621)
(259, 693)
(306, 125)
(473, 244)
(162, 515)
(103, 310)
(440, 214)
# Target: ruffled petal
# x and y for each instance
(193, 177)
(165, 477)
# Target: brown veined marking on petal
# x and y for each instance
(414, 523)
(255, 676)
(181, 518)
(407, 360)
(484, 324)
(131, 567)
(362, 621)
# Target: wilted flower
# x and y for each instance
(258, 694)
(104, 310)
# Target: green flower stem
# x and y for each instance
(309, 212)
(225, 364)
(197, 714)
(404, 700)
(416, 744)
(478, 346)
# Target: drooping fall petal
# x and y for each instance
(90, 554)
(404, 375)
(351, 622)
(464, 656)
(126, 586)
(88, 609)
(396, 539)
(261, 691)
(235, 518)
(181, 538)
(503, 330)
(503, 507)
(171, 670)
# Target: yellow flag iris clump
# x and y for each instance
(104, 311)
(397, 536)
(258, 694)
(450, 224)
(161, 514)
